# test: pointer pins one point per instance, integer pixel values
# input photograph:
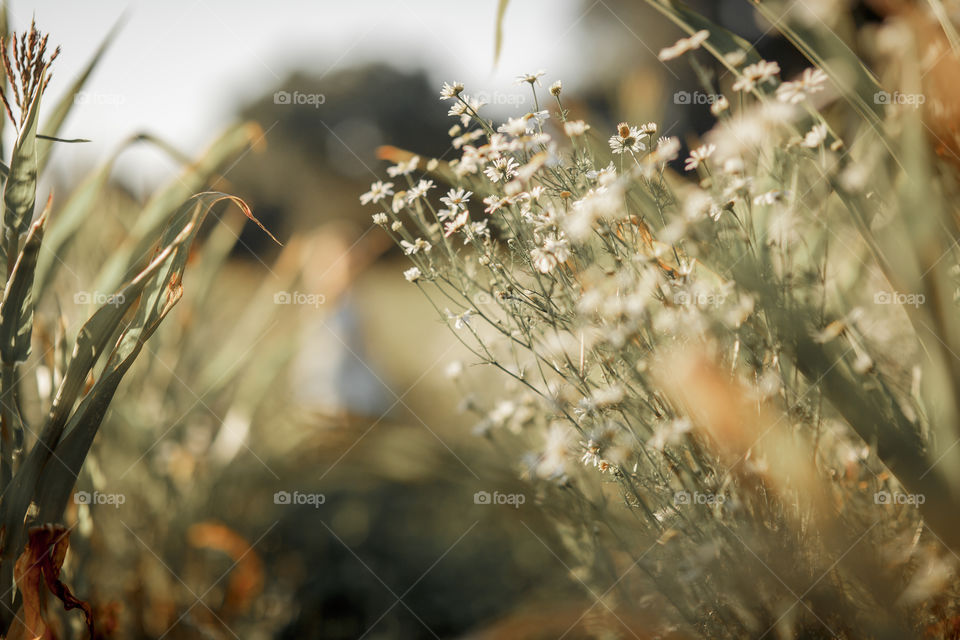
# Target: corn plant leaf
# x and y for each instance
(16, 310)
(69, 218)
(53, 123)
(78, 208)
(129, 257)
(498, 35)
(160, 294)
(20, 190)
(91, 342)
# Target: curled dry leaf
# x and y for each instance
(246, 576)
(40, 565)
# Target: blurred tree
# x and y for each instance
(321, 150)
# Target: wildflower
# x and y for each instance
(556, 88)
(378, 191)
(478, 229)
(698, 202)
(539, 117)
(683, 45)
(399, 200)
(419, 190)
(454, 370)
(469, 162)
(515, 127)
(465, 108)
(502, 169)
(591, 453)
(754, 74)
(412, 274)
(596, 203)
(456, 224)
(396, 226)
(719, 105)
(451, 90)
(474, 104)
(815, 136)
(699, 155)
(670, 433)
(466, 138)
(667, 150)
(456, 198)
(553, 252)
(459, 321)
(556, 451)
(494, 203)
(380, 219)
(607, 397)
(404, 168)
(575, 128)
(770, 197)
(531, 78)
(810, 81)
(627, 138)
(412, 248)
(735, 58)
(604, 177)
(497, 145)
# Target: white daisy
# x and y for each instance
(754, 74)
(404, 168)
(698, 155)
(502, 169)
(456, 198)
(419, 190)
(451, 90)
(532, 78)
(378, 191)
(574, 128)
(810, 81)
(627, 139)
(683, 45)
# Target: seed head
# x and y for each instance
(26, 66)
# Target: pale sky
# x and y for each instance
(179, 68)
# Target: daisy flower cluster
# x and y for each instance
(590, 264)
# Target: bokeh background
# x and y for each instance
(348, 394)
